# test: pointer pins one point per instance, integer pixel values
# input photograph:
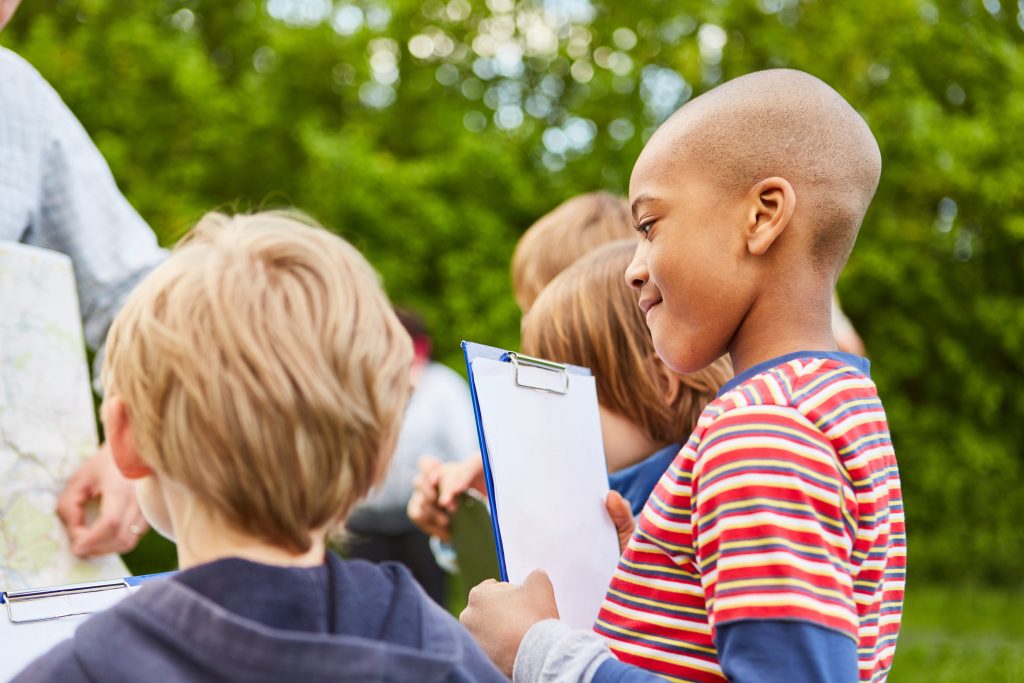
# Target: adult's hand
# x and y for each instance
(499, 615)
(120, 523)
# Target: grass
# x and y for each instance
(961, 635)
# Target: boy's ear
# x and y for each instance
(118, 428)
(773, 204)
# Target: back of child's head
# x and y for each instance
(567, 232)
(263, 370)
(588, 316)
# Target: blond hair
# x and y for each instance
(263, 369)
(572, 229)
(589, 316)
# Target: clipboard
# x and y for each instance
(32, 621)
(540, 439)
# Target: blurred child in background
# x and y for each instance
(847, 338)
(438, 423)
(572, 229)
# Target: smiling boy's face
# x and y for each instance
(689, 267)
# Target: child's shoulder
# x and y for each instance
(795, 380)
(806, 390)
(373, 584)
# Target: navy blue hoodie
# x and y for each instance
(235, 620)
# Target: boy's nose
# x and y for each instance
(636, 272)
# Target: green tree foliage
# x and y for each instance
(432, 134)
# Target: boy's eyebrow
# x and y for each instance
(637, 202)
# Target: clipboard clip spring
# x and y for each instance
(520, 361)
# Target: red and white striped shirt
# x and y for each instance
(785, 504)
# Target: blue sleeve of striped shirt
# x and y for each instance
(614, 671)
(774, 650)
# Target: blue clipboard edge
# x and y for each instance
(473, 350)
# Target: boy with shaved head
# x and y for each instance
(773, 549)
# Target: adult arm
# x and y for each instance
(76, 209)
(83, 214)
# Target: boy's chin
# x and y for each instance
(681, 360)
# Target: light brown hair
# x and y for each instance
(263, 369)
(567, 232)
(588, 316)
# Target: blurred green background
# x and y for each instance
(432, 133)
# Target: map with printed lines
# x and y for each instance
(47, 421)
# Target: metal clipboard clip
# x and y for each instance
(42, 604)
(519, 362)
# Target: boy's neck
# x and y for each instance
(796, 318)
(205, 537)
(214, 548)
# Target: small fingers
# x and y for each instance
(454, 481)
(71, 506)
(428, 466)
(425, 488)
(427, 517)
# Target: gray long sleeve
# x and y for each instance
(553, 652)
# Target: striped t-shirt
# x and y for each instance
(785, 504)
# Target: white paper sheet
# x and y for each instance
(548, 470)
(21, 643)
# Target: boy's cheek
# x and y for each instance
(154, 506)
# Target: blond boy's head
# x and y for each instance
(263, 370)
(570, 230)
